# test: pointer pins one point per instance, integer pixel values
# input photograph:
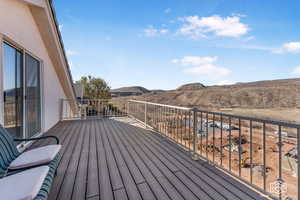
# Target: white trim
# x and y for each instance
(63, 54)
(1, 81)
(38, 3)
(47, 25)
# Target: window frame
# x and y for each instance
(12, 43)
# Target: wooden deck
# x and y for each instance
(107, 159)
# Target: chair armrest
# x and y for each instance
(37, 138)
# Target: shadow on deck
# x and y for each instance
(108, 159)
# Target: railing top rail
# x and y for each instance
(254, 119)
(163, 105)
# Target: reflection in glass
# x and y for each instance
(33, 104)
(13, 90)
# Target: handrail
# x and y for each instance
(254, 119)
(230, 142)
(242, 117)
(158, 104)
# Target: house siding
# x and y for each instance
(17, 24)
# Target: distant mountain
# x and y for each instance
(191, 86)
(157, 91)
(274, 99)
(262, 94)
(129, 91)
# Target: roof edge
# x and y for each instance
(61, 44)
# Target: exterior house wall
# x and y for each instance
(18, 25)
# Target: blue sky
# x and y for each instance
(164, 44)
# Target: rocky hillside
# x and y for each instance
(191, 86)
(263, 94)
(277, 99)
(133, 89)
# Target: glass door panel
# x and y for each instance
(13, 90)
(32, 96)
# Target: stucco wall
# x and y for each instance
(17, 23)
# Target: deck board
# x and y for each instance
(218, 183)
(107, 159)
(93, 175)
(105, 186)
(66, 153)
(70, 175)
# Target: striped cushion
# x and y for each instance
(8, 150)
(45, 190)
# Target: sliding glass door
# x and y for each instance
(32, 94)
(22, 96)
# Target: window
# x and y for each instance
(22, 96)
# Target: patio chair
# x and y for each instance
(16, 167)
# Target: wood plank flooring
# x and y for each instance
(111, 160)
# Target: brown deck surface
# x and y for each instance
(107, 159)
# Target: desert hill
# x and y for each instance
(191, 86)
(276, 99)
(131, 89)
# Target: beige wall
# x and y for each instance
(17, 24)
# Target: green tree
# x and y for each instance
(95, 88)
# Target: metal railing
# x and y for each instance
(261, 153)
(91, 108)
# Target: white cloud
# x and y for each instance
(289, 47)
(252, 47)
(202, 66)
(209, 70)
(71, 52)
(168, 10)
(239, 15)
(60, 27)
(225, 82)
(194, 60)
(248, 38)
(296, 71)
(163, 31)
(152, 32)
(200, 27)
